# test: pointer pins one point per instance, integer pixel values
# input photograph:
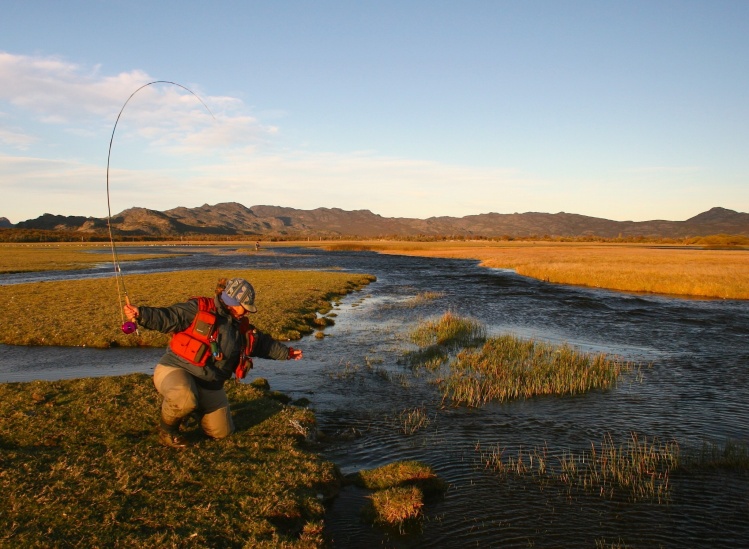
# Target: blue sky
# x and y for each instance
(627, 110)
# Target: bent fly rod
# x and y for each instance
(130, 327)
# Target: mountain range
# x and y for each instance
(231, 218)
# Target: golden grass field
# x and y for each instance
(661, 269)
(675, 270)
(87, 312)
(58, 256)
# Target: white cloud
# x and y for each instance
(59, 93)
(16, 139)
(56, 111)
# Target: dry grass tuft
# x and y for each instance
(413, 420)
(400, 490)
(395, 507)
(401, 473)
(450, 330)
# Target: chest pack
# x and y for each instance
(194, 343)
(200, 340)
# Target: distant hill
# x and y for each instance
(5, 223)
(231, 218)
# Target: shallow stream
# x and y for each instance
(693, 388)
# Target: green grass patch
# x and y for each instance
(731, 455)
(398, 507)
(507, 368)
(80, 465)
(400, 490)
(88, 312)
(398, 474)
(418, 300)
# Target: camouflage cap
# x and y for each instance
(239, 292)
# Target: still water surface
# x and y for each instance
(694, 389)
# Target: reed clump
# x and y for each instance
(431, 358)
(437, 337)
(413, 420)
(450, 330)
(639, 468)
(507, 368)
(422, 298)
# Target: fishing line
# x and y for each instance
(130, 327)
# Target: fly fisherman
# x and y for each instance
(212, 340)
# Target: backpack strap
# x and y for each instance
(245, 359)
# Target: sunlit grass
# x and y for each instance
(80, 466)
(504, 367)
(507, 368)
(400, 491)
(450, 330)
(60, 256)
(674, 270)
(87, 312)
(395, 507)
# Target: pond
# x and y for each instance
(693, 388)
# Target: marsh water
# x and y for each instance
(693, 388)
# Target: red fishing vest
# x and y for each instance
(194, 344)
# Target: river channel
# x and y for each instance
(693, 388)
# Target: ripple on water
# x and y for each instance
(695, 390)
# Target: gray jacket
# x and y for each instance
(231, 341)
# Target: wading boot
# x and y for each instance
(172, 440)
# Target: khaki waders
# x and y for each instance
(183, 396)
